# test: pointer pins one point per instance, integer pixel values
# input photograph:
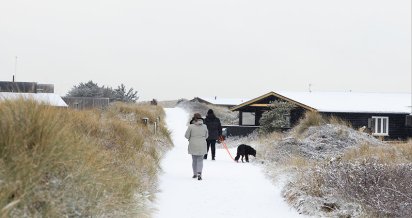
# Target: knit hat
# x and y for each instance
(197, 116)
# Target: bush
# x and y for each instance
(276, 118)
(384, 189)
(373, 180)
(91, 89)
(63, 163)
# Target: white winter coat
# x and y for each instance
(197, 134)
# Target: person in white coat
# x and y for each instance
(197, 134)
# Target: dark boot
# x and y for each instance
(199, 176)
(194, 176)
(205, 157)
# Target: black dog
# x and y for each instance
(244, 150)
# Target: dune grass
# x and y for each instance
(360, 178)
(65, 163)
(310, 119)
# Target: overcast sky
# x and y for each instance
(170, 49)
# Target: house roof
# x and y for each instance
(223, 101)
(47, 98)
(349, 102)
(250, 102)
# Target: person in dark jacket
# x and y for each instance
(215, 131)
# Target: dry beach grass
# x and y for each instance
(340, 172)
(65, 163)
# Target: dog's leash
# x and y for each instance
(224, 145)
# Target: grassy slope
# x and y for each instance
(361, 179)
(59, 162)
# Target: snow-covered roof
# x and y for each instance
(363, 102)
(348, 102)
(48, 98)
(224, 101)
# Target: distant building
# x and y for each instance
(26, 87)
(46, 98)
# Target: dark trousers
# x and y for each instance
(211, 143)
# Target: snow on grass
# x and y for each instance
(329, 166)
(228, 189)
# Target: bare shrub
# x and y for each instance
(309, 195)
(383, 188)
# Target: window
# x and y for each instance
(248, 118)
(380, 126)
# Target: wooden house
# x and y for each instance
(385, 114)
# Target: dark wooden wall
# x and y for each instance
(397, 127)
(295, 116)
(239, 130)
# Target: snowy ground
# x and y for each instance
(228, 189)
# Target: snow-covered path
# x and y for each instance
(228, 189)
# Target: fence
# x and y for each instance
(82, 103)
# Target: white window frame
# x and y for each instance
(376, 127)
